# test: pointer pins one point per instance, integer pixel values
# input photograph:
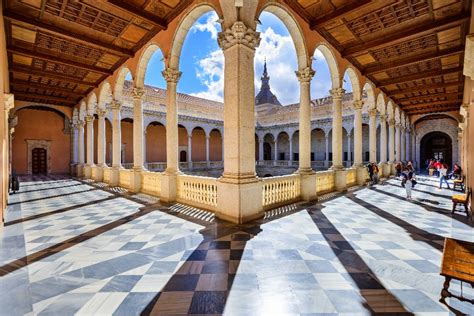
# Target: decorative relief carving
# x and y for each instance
(101, 112)
(116, 105)
(171, 75)
(383, 117)
(372, 112)
(305, 75)
(337, 93)
(89, 118)
(238, 33)
(391, 122)
(357, 104)
(138, 93)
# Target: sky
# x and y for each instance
(202, 62)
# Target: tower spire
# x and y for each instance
(265, 95)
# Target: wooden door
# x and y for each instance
(39, 165)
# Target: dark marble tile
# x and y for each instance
(208, 302)
(195, 255)
(219, 245)
(363, 281)
(215, 267)
(182, 282)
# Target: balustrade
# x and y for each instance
(280, 190)
(127, 165)
(151, 183)
(325, 181)
(124, 178)
(351, 178)
(197, 191)
(107, 175)
(156, 166)
(94, 172)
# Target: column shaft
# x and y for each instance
(90, 139)
(373, 135)
(116, 135)
(397, 143)
(81, 142)
(402, 144)
(172, 77)
(337, 128)
(260, 150)
(391, 139)
(138, 128)
(291, 149)
(383, 138)
(101, 137)
(357, 133)
(304, 77)
(326, 161)
(348, 149)
(207, 149)
(190, 150)
(275, 152)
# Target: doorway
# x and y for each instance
(38, 161)
(436, 145)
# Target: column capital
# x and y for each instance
(464, 110)
(305, 75)
(383, 117)
(238, 33)
(372, 112)
(138, 93)
(101, 113)
(171, 75)
(391, 122)
(89, 118)
(398, 125)
(337, 93)
(357, 104)
(116, 105)
(80, 123)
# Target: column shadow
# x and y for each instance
(359, 272)
(421, 191)
(51, 197)
(45, 189)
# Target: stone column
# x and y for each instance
(116, 142)
(383, 145)
(290, 139)
(90, 140)
(326, 161)
(81, 153)
(373, 135)
(144, 148)
(75, 142)
(337, 128)
(397, 142)
(207, 150)
(190, 151)
(304, 77)
(239, 194)
(357, 105)
(275, 152)
(391, 144)
(169, 177)
(402, 143)
(101, 137)
(260, 149)
(413, 146)
(349, 160)
(138, 160)
(407, 144)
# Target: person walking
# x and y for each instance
(431, 167)
(375, 173)
(408, 183)
(443, 175)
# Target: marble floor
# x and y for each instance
(74, 247)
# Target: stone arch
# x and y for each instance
(332, 64)
(293, 28)
(182, 31)
(381, 103)
(143, 64)
(118, 88)
(215, 145)
(355, 83)
(397, 114)
(446, 126)
(105, 95)
(52, 107)
(369, 96)
(390, 112)
(82, 109)
(91, 103)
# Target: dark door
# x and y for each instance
(183, 156)
(38, 161)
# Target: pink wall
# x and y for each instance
(156, 143)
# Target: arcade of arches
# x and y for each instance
(83, 131)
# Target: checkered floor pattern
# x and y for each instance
(73, 247)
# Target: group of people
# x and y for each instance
(440, 169)
(406, 171)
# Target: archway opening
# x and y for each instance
(155, 142)
(436, 145)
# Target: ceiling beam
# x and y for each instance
(339, 12)
(48, 74)
(59, 60)
(99, 44)
(42, 97)
(298, 8)
(140, 13)
(423, 88)
(412, 60)
(428, 104)
(436, 110)
(420, 75)
(382, 41)
(26, 84)
(428, 96)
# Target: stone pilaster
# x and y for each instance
(239, 194)
(373, 135)
(169, 178)
(304, 77)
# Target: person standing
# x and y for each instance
(408, 183)
(443, 173)
(431, 167)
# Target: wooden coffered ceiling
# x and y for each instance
(59, 50)
(412, 49)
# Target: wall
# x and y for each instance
(127, 141)
(215, 146)
(51, 128)
(156, 143)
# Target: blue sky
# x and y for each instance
(202, 62)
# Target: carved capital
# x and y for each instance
(171, 75)
(240, 34)
(383, 117)
(80, 123)
(391, 122)
(337, 93)
(372, 112)
(305, 75)
(358, 104)
(138, 93)
(116, 105)
(101, 112)
(89, 118)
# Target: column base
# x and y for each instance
(239, 202)
(169, 186)
(392, 170)
(337, 167)
(361, 175)
(383, 169)
(115, 176)
(79, 170)
(136, 179)
(340, 179)
(308, 186)
(98, 173)
(240, 178)
(88, 171)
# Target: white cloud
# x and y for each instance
(210, 25)
(210, 71)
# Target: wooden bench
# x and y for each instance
(459, 183)
(462, 198)
(457, 263)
